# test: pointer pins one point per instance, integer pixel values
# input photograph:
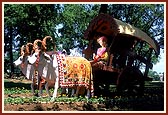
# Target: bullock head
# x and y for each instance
(48, 44)
(20, 59)
(22, 50)
(37, 45)
(25, 50)
(29, 49)
(38, 48)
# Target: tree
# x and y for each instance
(24, 23)
(75, 19)
(147, 17)
(154, 75)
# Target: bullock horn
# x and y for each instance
(29, 48)
(44, 42)
(22, 50)
(45, 38)
(36, 45)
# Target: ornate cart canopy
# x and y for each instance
(107, 25)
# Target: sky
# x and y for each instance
(160, 67)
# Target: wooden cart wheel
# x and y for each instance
(130, 82)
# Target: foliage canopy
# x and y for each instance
(66, 23)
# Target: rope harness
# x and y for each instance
(35, 77)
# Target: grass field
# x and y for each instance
(18, 97)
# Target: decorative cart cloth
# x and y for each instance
(74, 71)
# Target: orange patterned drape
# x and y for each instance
(74, 71)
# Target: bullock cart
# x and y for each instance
(129, 52)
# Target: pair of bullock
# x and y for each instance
(53, 67)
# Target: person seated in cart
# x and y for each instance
(101, 56)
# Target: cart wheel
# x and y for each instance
(130, 82)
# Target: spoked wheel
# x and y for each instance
(130, 82)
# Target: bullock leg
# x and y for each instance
(32, 88)
(42, 83)
(40, 89)
(72, 92)
(67, 91)
(47, 89)
(63, 91)
(33, 84)
(55, 89)
(36, 82)
(39, 86)
(88, 95)
(77, 91)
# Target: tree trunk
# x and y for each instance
(10, 51)
(103, 8)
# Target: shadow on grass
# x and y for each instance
(10, 84)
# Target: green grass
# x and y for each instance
(153, 98)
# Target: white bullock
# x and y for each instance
(78, 74)
(28, 69)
